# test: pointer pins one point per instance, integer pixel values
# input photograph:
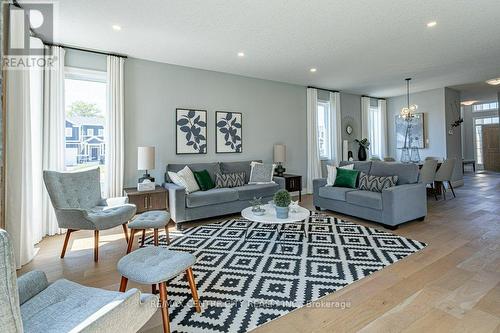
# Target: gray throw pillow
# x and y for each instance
(226, 180)
(376, 183)
(261, 173)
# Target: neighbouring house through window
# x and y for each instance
(85, 103)
(324, 130)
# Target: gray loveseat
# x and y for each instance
(404, 202)
(217, 201)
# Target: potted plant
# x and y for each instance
(363, 147)
(282, 200)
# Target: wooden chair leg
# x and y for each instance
(164, 307)
(194, 292)
(66, 240)
(96, 245)
(130, 240)
(123, 284)
(434, 191)
(125, 231)
(167, 235)
(143, 236)
(444, 190)
(155, 237)
(452, 190)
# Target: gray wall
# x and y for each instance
(272, 113)
(350, 106)
(431, 103)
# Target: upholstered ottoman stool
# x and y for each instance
(154, 266)
(155, 220)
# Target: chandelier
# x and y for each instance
(410, 152)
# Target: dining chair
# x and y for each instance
(428, 174)
(444, 174)
(77, 201)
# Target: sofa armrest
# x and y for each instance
(31, 284)
(404, 203)
(176, 201)
(317, 183)
(280, 181)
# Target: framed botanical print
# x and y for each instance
(191, 131)
(228, 132)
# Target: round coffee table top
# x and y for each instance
(269, 216)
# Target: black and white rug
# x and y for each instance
(244, 283)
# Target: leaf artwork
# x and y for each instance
(194, 127)
(230, 128)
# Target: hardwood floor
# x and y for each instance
(452, 285)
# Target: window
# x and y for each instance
(101, 132)
(478, 135)
(485, 107)
(69, 132)
(324, 130)
(85, 102)
(375, 131)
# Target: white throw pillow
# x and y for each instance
(332, 173)
(185, 178)
(261, 173)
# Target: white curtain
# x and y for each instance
(115, 122)
(19, 151)
(313, 161)
(54, 116)
(365, 116)
(336, 127)
(382, 106)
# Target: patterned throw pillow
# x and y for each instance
(376, 183)
(226, 180)
(261, 173)
(185, 178)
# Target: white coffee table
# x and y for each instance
(300, 216)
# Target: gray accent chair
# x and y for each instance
(31, 304)
(444, 175)
(217, 201)
(428, 174)
(76, 198)
(404, 202)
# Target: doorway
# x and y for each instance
(491, 147)
(479, 124)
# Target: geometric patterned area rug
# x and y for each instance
(243, 283)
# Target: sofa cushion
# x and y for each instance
(212, 168)
(346, 178)
(248, 192)
(363, 166)
(376, 183)
(365, 199)
(335, 193)
(211, 197)
(231, 167)
(407, 172)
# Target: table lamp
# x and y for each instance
(146, 161)
(279, 158)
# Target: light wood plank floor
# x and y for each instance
(453, 285)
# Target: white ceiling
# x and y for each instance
(362, 46)
(479, 91)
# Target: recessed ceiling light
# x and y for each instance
(116, 27)
(494, 82)
(468, 103)
(241, 54)
(313, 70)
(431, 24)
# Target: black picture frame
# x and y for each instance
(190, 131)
(228, 132)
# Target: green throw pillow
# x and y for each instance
(204, 180)
(346, 178)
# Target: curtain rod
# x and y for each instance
(334, 91)
(15, 3)
(373, 97)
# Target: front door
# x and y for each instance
(94, 153)
(491, 147)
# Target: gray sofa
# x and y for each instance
(217, 201)
(404, 202)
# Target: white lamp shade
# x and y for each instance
(279, 153)
(145, 158)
